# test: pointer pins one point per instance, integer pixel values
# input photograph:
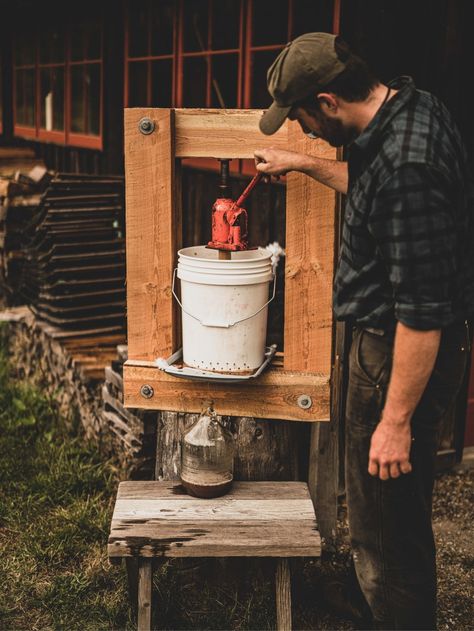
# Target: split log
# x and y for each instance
(265, 449)
(75, 372)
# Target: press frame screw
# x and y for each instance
(304, 401)
(147, 391)
(146, 126)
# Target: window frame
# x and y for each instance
(20, 129)
(244, 51)
(149, 59)
(77, 139)
(178, 55)
(51, 135)
(250, 48)
(208, 54)
(66, 137)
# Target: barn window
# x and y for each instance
(85, 71)
(150, 38)
(211, 53)
(25, 85)
(270, 25)
(58, 84)
(50, 72)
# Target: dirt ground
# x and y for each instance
(454, 531)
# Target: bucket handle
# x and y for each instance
(225, 325)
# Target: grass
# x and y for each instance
(56, 497)
(56, 500)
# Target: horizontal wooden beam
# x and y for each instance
(201, 539)
(222, 134)
(273, 395)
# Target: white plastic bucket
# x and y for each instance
(224, 305)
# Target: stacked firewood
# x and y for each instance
(134, 429)
(74, 276)
(23, 179)
(40, 356)
(83, 376)
(62, 255)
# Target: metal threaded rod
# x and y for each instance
(224, 183)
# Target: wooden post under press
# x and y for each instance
(225, 255)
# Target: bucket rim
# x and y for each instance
(264, 255)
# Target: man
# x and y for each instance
(405, 281)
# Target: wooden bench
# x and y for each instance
(255, 519)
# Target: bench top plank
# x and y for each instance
(159, 519)
(142, 489)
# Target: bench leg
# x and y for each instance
(283, 595)
(145, 582)
(132, 580)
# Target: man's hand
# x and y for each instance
(389, 454)
(276, 161)
(414, 356)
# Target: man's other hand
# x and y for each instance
(389, 454)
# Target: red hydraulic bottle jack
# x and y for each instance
(229, 219)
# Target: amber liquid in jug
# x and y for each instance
(207, 457)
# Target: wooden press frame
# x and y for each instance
(153, 232)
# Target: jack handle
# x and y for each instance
(253, 182)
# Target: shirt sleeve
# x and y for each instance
(413, 224)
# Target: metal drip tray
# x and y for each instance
(173, 366)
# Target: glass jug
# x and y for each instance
(207, 457)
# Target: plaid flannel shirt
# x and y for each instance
(407, 250)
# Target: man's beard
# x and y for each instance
(333, 131)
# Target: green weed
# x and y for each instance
(56, 498)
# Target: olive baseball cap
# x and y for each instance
(305, 65)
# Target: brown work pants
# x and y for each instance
(390, 521)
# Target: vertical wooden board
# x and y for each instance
(145, 590)
(310, 241)
(152, 238)
(324, 448)
(283, 595)
(324, 470)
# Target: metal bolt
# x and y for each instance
(305, 401)
(146, 125)
(147, 391)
